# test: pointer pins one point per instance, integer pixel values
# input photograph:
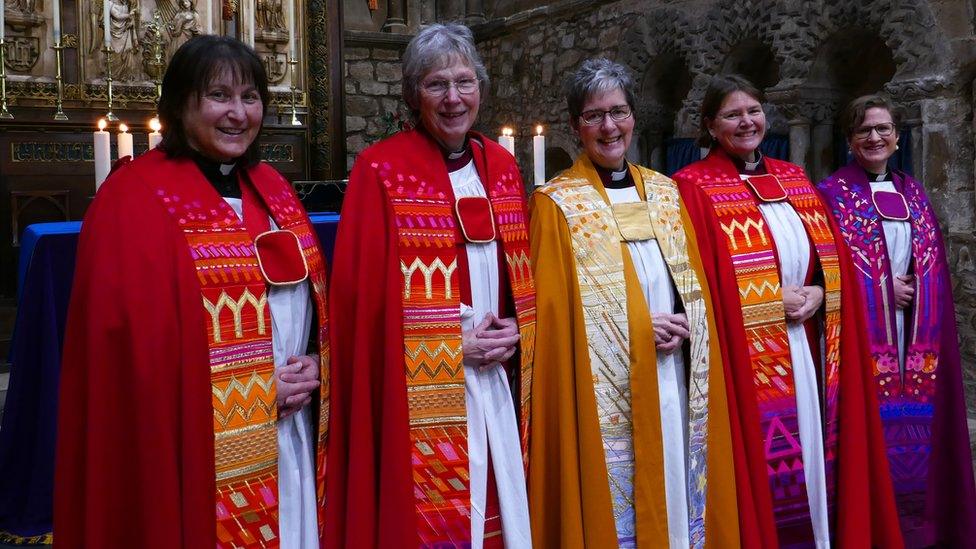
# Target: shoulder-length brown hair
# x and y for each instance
(720, 86)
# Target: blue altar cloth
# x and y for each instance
(27, 433)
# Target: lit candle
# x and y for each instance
(293, 45)
(107, 22)
(103, 154)
(154, 136)
(539, 156)
(57, 21)
(124, 141)
(507, 140)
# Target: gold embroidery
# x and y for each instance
(744, 228)
(235, 307)
(521, 263)
(428, 272)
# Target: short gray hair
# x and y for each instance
(434, 48)
(595, 76)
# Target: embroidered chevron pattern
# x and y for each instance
(244, 389)
(235, 306)
(428, 272)
(758, 289)
(744, 227)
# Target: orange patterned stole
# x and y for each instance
(422, 201)
(752, 251)
(235, 299)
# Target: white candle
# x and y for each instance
(124, 141)
(210, 28)
(3, 17)
(57, 21)
(103, 154)
(250, 23)
(507, 140)
(107, 22)
(154, 136)
(293, 43)
(539, 156)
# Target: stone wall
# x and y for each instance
(811, 56)
(373, 86)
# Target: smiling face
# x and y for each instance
(873, 151)
(606, 143)
(223, 122)
(739, 125)
(449, 117)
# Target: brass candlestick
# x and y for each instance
(4, 113)
(294, 106)
(59, 112)
(110, 116)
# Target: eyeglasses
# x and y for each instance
(437, 88)
(883, 130)
(596, 116)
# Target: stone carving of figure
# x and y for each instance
(95, 26)
(184, 26)
(269, 15)
(125, 40)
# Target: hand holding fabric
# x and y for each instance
(494, 340)
(670, 330)
(904, 290)
(296, 381)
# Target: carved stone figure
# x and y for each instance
(182, 27)
(269, 15)
(124, 40)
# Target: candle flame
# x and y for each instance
(506, 131)
(154, 124)
(538, 129)
(123, 128)
(102, 124)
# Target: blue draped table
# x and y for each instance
(27, 434)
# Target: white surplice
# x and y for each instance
(658, 288)
(488, 398)
(291, 321)
(898, 240)
(793, 248)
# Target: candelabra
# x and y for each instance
(108, 79)
(59, 112)
(294, 106)
(4, 113)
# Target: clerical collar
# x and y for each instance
(750, 168)
(223, 177)
(615, 179)
(886, 176)
(458, 159)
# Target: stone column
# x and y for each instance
(799, 141)
(396, 17)
(427, 12)
(823, 150)
(474, 12)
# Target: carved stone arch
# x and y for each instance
(659, 31)
(908, 28)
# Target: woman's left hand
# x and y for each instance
(813, 298)
(295, 383)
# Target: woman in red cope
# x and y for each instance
(807, 448)
(895, 243)
(186, 413)
(433, 289)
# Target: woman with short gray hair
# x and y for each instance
(430, 322)
(642, 452)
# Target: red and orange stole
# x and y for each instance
(234, 295)
(752, 251)
(428, 233)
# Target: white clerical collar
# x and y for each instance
(619, 176)
(225, 169)
(753, 166)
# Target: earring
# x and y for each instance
(896, 146)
